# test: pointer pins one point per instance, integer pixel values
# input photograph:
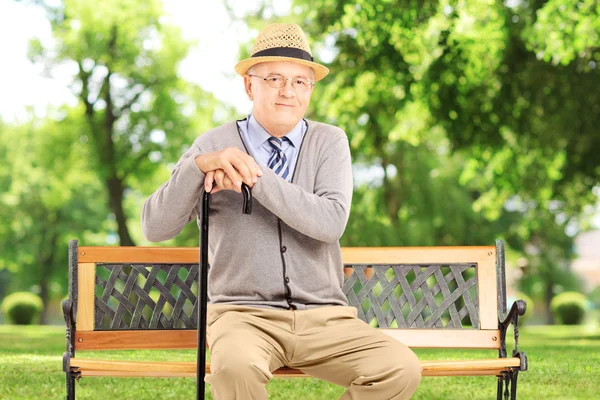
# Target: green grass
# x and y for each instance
(564, 364)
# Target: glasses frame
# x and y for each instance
(312, 84)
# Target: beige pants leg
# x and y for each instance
(330, 343)
(335, 346)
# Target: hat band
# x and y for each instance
(284, 52)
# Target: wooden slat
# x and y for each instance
(446, 338)
(127, 374)
(186, 339)
(136, 339)
(471, 365)
(276, 374)
(416, 255)
(126, 254)
(350, 255)
(85, 296)
(488, 293)
(464, 373)
(89, 367)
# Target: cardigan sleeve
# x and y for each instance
(176, 202)
(322, 215)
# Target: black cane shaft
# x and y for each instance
(203, 286)
(202, 299)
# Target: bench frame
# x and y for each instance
(506, 373)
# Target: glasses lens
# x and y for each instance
(275, 81)
(301, 84)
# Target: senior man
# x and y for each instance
(276, 276)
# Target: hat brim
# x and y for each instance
(243, 66)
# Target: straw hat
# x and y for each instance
(282, 42)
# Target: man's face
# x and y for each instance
(278, 108)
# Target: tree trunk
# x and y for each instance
(547, 299)
(115, 193)
(392, 187)
(45, 296)
(47, 263)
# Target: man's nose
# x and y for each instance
(288, 90)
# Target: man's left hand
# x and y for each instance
(221, 181)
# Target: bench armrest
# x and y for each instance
(518, 308)
(512, 318)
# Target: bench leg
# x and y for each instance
(500, 387)
(507, 386)
(513, 389)
(70, 385)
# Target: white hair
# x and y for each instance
(252, 69)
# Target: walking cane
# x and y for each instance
(203, 286)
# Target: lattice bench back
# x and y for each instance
(146, 297)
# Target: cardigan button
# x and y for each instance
(287, 280)
(283, 249)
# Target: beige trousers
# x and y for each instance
(330, 343)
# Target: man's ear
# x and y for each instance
(248, 87)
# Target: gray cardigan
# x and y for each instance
(286, 253)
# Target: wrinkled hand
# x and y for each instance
(237, 165)
(221, 181)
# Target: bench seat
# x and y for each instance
(92, 367)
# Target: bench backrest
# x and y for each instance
(145, 297)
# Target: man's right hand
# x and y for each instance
(238, 165)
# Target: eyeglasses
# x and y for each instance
(276, 81)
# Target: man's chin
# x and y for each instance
(285, 118)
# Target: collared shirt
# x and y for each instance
(255, 138)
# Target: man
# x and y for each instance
(276, 276)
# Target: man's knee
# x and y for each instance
(235, 364)
(408, 372)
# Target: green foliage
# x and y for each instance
(83, 171)
(569, 307)
(22, 308)
(136, 111)
(477, 116)
(50, 197)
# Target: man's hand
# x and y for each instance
(236, 165)
(222, 181)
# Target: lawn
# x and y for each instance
(564, 364)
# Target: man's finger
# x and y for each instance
(219, 174)
(257, 167)
(243, 169)
(208, 181)
(228, 183)
(253, 168)
(233, 174)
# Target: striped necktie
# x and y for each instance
(278, 161)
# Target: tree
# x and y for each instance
(136, 108)
(50, 197)
(505, 89)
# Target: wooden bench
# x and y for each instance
(426, 297)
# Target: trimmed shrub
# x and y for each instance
(22, 308)
(569, 308)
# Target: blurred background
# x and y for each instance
(469, 121)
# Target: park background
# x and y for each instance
(468, 121)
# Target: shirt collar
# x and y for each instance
(258, 135)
